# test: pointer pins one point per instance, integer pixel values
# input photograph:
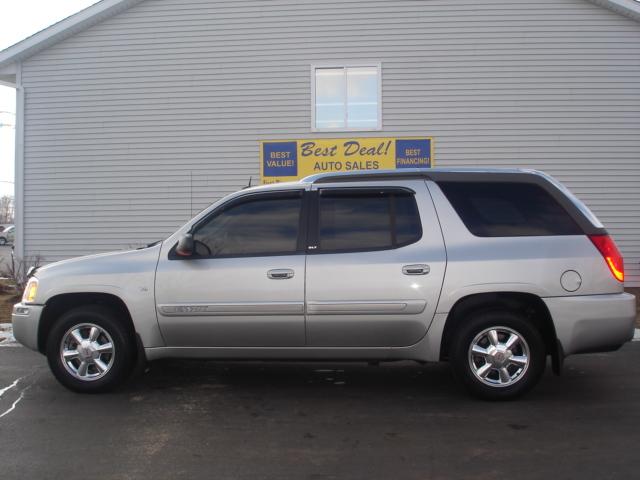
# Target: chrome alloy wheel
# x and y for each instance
(87, 351)
(499, 356)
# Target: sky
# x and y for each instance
(18, 20)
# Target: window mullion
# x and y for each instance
(345, 98)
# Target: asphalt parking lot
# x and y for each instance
(219, 420)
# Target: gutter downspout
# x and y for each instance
(19, 165)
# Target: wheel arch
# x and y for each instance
(61, 303)
(527, 304)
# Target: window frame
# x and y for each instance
(344, 66)
(313, 233)
(250, 197)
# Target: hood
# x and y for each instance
(126, 261)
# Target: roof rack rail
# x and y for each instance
(409, 174)
(366, 176)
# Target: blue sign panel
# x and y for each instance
(280, 159)
(413, 153)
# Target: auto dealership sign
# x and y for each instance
(286, 160)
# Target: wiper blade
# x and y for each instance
(153, 244)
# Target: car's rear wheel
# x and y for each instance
(3, 241)
(90, 350)
(498, 355)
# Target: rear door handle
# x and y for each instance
(280, 273)
(416, 269)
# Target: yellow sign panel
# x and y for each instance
(288, 160)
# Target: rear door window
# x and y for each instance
(366, 219)
(501, 209)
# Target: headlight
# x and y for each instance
(30, 290)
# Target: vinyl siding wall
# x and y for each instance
(137, 123)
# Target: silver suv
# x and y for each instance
(7, 235)
(491, 270)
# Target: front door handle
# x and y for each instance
(416, 269)
(280, 273)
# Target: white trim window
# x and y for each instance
(346, 98)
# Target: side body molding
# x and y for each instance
(242, 308)
(406, 307)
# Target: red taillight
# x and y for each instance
(609, 250)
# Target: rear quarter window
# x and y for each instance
(500, 209)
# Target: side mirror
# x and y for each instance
(185, 245)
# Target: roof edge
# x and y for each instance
(64, 29)
(627, 8)
(107, 8)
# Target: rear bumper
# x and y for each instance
(593, 323)
(26, 319)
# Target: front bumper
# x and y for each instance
(26, 320)
(593, 323)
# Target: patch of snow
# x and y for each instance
(6, 335)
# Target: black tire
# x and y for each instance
(522, 382)
(3, 241)
(123, 352)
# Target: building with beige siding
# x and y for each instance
(134, 115)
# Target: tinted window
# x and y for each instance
(367, 220)
(261, 225)
(407, 219)
(496, 209)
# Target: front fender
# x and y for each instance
(129, 275)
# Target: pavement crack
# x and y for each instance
(22, 392)
(13, 406)
(5, 389)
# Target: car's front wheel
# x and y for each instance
(3, 241)
(498, 355)
(89, 350)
